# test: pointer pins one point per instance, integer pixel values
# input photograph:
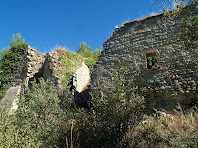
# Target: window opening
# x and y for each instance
(151, 61)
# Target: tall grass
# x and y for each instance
(166, 130)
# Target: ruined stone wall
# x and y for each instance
(52, 67)
(30, 66)
(35, 65)
(175, 78)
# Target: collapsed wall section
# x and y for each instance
(31, 67)
(53, 67)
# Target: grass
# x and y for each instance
(166, 130)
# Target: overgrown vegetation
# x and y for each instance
(12, 136)
(188, 23)
(69, 61)
(90, 57)
(90, 62)
(111, 115)
(189, 33)
(9, 62)
(68, 64)
(47, 117)
(167, 130)
(46, 110)
(118, 117)
(51, 116)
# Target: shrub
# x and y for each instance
(42, 111)
(113, 112)
(90, 57)
(178, 130)
(12, 136)
(90, 62)
(69, 63)
(96, 54)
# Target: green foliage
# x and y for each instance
(96, 54)
(69, 63)
(84, 50)
(90, 62)
(45, 113)
(49, 59)
(90, 57)
(152, 62)
(12, 57)
(189, 33)
(11, 136)
(2, 52)
(16, 40)
(9, 62)
(113, 112)
(189, 28)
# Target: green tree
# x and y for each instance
(96, 54)
(9, 62)
(16, 39)
(90, 57)
(84, 50)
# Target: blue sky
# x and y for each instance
(46, 24)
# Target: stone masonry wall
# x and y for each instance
(31, 65)
(173, 82)
(35, 65)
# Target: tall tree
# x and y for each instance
(96, 54)
(9, 62)
(84, 50)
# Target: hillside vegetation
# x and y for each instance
(9, 62)
(47, 117)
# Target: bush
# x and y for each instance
(113, 112)
(90, 57)
(42, 111)
(68, 65)
(96, 54)
(90, 62)
(11, 136)
(166, 130)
